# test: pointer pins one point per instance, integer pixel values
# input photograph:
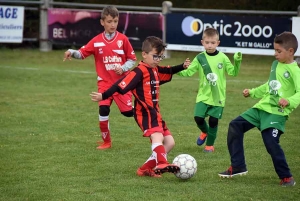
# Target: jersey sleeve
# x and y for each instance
(234, 69)
(130, 81)
(87, 49)
(295, 99)
(192, 69)
(259, 91)
(166, 73)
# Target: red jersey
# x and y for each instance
(108, 55)
(144, 82)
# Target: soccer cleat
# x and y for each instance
(104, 145)
(287, 182)
(166, 167)
(233, 172)
(209, 149)
(201, 139)
(147, 173)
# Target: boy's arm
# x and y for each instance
(128, 65)
(294, 100)
(259, 92)
(130, 56)
(75, 54)
(191, 70)
(235, 68)
(125, 84)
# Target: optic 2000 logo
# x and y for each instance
(192, 26)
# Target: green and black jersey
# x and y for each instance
(212, 70)
(284, 82)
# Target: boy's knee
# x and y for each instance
(199, 120)
(104, 110)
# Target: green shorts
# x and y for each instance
(263, 120)
(204, 110)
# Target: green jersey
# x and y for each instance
(212, 77)
(284, 82)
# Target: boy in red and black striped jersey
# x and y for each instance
(144, 82)
(114, 56)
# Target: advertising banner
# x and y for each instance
(248, 34)
(11, 24)
(296, 32)
(77, 27)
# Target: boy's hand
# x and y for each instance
(96, 96)
(67, 55)
(283, 103)
(186, 63)
(246, 93)
(118, 70)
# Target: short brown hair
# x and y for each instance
(153, 42)
(287, 40)
(109, 10)
(210, 32)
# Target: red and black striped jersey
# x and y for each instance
(144, 82)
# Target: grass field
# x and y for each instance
(49, 129)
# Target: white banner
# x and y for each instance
(11, 24)
(296, 32)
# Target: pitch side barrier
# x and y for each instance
(248, 31)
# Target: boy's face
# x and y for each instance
(152, 58)
(210, 43)
(110, 24)
(283, 55)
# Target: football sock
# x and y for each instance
(211, 136)
(104, 128)
(203, 127)
(161, 155)
(150, 163)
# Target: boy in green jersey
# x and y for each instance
(280, 95)
(210, 101)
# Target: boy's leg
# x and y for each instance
(158, 148)
(104, 111)
(271, 140)
(124, 103)
(199, 117)
(235, 138)
(235, 141)
(211, 134)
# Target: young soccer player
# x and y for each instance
(144, 81)
(280, 95)
(210, 101)
(114, 56)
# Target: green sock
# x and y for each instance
(211, 136)
(203, 127)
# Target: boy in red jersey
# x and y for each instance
(144, 82)
(114, 56)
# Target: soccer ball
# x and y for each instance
(187, 164)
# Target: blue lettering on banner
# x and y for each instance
(8, 13)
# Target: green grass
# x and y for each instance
(49, 129)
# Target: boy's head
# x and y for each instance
(110, 19)
(285, 46)
(210, 40)
(152, 50)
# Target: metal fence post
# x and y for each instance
(166, 8)
(45, 44)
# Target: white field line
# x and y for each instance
(93, 72)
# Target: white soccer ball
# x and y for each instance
(187, 164)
